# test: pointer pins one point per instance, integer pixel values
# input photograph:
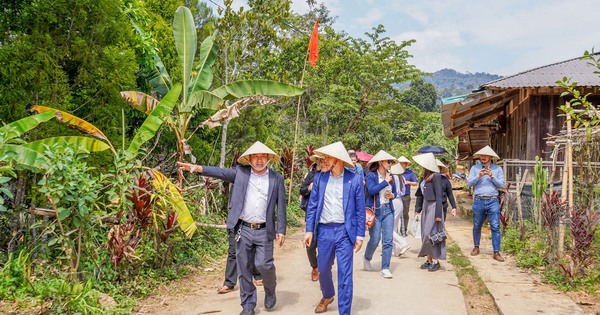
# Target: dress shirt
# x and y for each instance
(409, 176)
(333, 203)
(486, 186)
(255, 205)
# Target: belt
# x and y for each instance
(486, 197)
(254, 226)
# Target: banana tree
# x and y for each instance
(197, 81)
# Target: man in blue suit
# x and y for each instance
(255, 193)
(336, 217)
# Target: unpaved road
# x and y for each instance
(411, 291)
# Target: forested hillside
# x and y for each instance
(450, 82)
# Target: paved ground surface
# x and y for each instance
(411, 291)
(514, 291)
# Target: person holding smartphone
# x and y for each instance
(381, 190)
(486, 178)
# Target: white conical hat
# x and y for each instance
(257, 148)
(487, 150)
(427, 160)
(440, 164)
(397, 169)
(336, 150)
(383, 156)
(314, 158)
(403, 159)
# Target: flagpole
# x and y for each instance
(296, 130)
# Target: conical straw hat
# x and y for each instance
(403, 159)
(427, 160)
(336, 150)
(314, 158)
(257, 148)
(487, 150)
(382, 156)
(397, 169)
(440, 164)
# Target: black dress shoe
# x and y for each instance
(270, 300)
(247, 312)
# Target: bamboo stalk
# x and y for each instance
(564, 188)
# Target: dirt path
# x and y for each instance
(410, 291)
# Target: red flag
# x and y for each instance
(313, 45)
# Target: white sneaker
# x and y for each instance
(386, 274)
(404, 249)
(367, 264)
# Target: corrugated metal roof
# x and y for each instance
(580, 71)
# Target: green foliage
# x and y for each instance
(421, 95)
(529, 251)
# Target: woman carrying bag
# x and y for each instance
(429, 206)
(381, 190)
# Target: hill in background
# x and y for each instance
(449, 82)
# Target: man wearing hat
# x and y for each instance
(486, 178)
(255, 193)
(336, 218)
(410, 179)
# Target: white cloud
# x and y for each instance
(433, 49)
(374, 15)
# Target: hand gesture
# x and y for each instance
(388, 177)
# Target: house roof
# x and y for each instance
(580, 71)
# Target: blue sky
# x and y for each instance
(501, 37)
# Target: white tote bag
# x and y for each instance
(414, 227)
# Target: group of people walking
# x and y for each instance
(335, 194)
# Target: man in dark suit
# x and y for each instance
(336, 217)
(255, 193)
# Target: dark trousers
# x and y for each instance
(254, 250)
(405, 209)
(231, 273)
(311, 252)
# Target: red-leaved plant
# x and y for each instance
(553, 208)
(584, 223)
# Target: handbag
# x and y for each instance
(414, 227)
(370, 215)
(438, 237)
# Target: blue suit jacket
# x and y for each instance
(354, 204)
(240, 176)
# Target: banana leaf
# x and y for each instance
(184, 217)
(153, 121)
(25, 156)
(245, 88)
(202, 99)
(140, 101)
(17, 128)
(89, 144)
(158, 77)
(184, 31)
(75, 122)
(208, 55)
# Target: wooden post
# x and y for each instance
(296, 132)
(565, 187)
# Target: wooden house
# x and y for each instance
(516, 113)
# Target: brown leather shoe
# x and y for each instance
(323, 304)
(258, 282)
(224, 289)
(475, 251)
(498, 257)
(314, 275)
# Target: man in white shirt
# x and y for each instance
(336, 218)
(255, 192)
